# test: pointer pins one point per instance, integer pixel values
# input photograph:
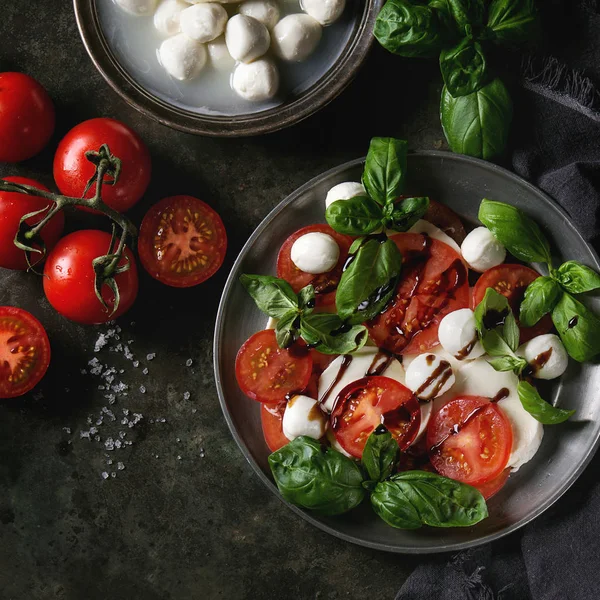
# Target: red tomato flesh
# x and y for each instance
(492, 487)
(271, 416)
(444, 218)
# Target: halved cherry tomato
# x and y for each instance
(271, 416)
(470, 440)
(444, 218)
(24, 351)
(368, 402)
(267, 373)
(492, 487)
(433, 283)
(182, 241)
(512, 281)
(325, 283)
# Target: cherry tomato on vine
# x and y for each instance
(26, 117)
(72, 170)
(69, 278)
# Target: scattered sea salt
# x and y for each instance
(189, 362)
(104, 475)
(142, 389)
(151, 356)
(120, 466)
(186, 395)
(145, 371)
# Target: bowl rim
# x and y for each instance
(219, 327)
(321, 93)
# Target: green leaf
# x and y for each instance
(414, 498)
(369, 282)
(541, 296)
(478, 124)
(538, 408)
(496, 324)
(464, 68)
(520, 234)
(385, 169)
(578, 328)
(285, 332)
(318, 479)
(509, 363)
(306, 299)
(275, 297)
(514, 21)
(328, 334)
(355, 216)
(467, 13)
(577, 278)
(380, 454)
(406, 213)
(356, 244)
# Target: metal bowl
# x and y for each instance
(296, 108)
(461, 183)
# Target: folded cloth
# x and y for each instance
(556, 146)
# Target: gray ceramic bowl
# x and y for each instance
(294, 109)
(461, 183)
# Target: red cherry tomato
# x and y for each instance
(320, 363)
(26, 117)
(512, 281)
(492, 487)
(433, 283)
(444, 218)
(470, 440)
(13, 207)
(325, 283)
(72, 170)
(271, 416)
(24, 351)
(69, 278)
(369, 402)
(267, 373)
(182, 241)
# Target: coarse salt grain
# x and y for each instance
(104, 475)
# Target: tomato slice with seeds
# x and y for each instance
(326, 283)
(512, 281)
(268, 373)
(368, 402)
(182, 241)
(470, 440)
(24, 351)
(271, 417)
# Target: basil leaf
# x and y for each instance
(369, 282)
(385, 169)
(275, 297)
(495, 345)
(318, 479)
(355, 216)
(406, 213)
(443, 12)
(380, 454)
(577, 278)
(467, 12)
(286, 331)
(477, 124)
(541, 296)
(328, 334)
(538, 408)
(496, 324)
(356, 244)
(464, 68)
(508, 363)
(414, 498)
(578, 327)
(306, 299)
(514, 21)
(520, 234)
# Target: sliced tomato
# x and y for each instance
(444, 218)
(433, 283)
(24, 351)
(470, 440)
(492, 487)
(267, 373)
(271, 416)
(182, 241)
(512, 281)
(320, 363)
(326, 283)
(369, 402)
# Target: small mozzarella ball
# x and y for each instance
(546, 356)
(166, 17)
(344, 191)
(303, 416)
(182, 57)
(247, 39)
(429, 376)
(315, 253)
(458, 335)
(219, 55)
(325, 12)
(295, 37)
(265, 11)
(138, 8)
(482, 250)
(204, 22)
(257, 81)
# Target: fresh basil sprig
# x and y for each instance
(464, 68)
(328, 334)
(380, 456)
(541, 296)
(576, 278)
(513, 21)
(385, 169)
(538, 408)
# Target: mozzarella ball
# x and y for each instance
(138, 8)
(546, 356)
(207, 1)
(429, 376)
(295, 37)
(265, 11)
(204, 22)
(219, 55)
(336, 445)
(325, 12)
(247, 39)
(166, 17)
(482, 250)
(182, 57)
(315, 253)
(344, 191)
(257, 81)
(303, 416)
(458, 336)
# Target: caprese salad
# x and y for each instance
(401, 352)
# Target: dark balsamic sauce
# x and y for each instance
(381, 361)
(503, 393)
(346, 360)
(464, 352)
(494, 318)
(573, 322)
(537, 363)
(440, 375)
(380, 237)
(457, 428)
